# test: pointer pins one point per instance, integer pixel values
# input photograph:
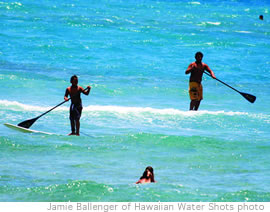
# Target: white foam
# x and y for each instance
(165, 111)
(14, 105)
(245, 32)
(195, 3)
(214, 23)
(17, 106)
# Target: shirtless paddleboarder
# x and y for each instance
(74, 91)
(196, 70)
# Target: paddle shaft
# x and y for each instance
(52, 109)
(247, 96)
(28, 123)
(60, 104)
(223, 83)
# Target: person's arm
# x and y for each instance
(139, 181)
(206, 67)
(86, 92)
(190, 68)
(66, 95)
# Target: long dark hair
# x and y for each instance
(150, 169)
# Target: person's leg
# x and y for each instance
(78, 116)
(192, 105)
(197, 105)
(78, 127)
(71, 118)
(72, 124)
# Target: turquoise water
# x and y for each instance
(134, 55)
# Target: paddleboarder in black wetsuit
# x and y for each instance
(74, 91)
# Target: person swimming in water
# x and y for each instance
(148, 176)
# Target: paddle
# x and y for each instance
(247, 96)
(28, 123)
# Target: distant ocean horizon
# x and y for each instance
(134, 55)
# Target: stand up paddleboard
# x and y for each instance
(25, 130)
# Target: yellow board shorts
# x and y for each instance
(195, 91)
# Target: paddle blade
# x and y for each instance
(248, 97)
(27, 123)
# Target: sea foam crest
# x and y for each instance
(149, 110)
(17, 106)
(13, 105)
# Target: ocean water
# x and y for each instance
(134, 55)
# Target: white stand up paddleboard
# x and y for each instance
(25, 130)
